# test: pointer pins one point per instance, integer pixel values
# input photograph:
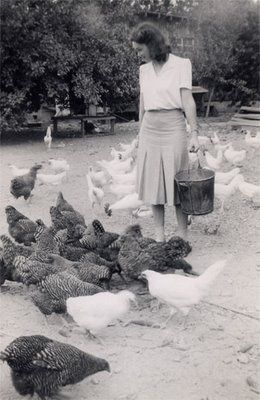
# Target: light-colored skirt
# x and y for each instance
(162, 152)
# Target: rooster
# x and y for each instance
(22, 186)
(181, 292)
(41, 365)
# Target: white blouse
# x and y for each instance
(162, 90)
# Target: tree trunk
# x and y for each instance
(211, 92)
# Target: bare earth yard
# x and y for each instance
(217, 356)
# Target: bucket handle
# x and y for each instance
(199, 165)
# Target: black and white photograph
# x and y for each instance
(130, 200)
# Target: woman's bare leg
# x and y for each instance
(158, 216)
(182, 220)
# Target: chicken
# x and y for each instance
(213, 162)
(97, 274)
(20, 227)
(249, 189)
(203, 140)
(226, 177)
(48, 138)
(120, 190)
(18, 171)
(233, 156)
(132, 145)
(253, 141)
(181, 292)
(32, 271)
(222, 146)
(41, 365)
(223, 192)
(59, 165)
(65, 220)
(96, 312)
(3, 269)
(124, 179)
(95, 194)
(138, 253)
(99, 241)
(9, 252)
(57, 288)
(46, 242)
(125, 153)
(215, 139)
(129, 202)
(63, 205)
(117, 166)
(50, 179)
(22, 186)
(98, 178)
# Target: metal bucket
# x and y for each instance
(196, 191)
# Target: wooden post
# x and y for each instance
(55, 126)
(82, 127)
(112, 126)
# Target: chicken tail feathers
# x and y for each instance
(207, 278)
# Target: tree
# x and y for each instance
(64, 50)
(218, 29)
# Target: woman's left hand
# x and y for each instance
(194, 145)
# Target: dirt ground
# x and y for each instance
(217, 356)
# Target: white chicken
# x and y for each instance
(129, 202)
(226, 177)
(59, 165)
(215, 139)
(120, 190)
(95, 194)
(18, 171)
(248, 189)
(213, 162)
(50, 179)
(233, 156)
(128, 178)
(117, 166)
(48, 138)
(253, 141)
(99, 178)
(130, 146)
(96, 312)
(181, 292)
(222, 146)
(223, 192)
(203, 140)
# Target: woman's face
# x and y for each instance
(142, 51)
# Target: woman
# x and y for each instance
(165, 92)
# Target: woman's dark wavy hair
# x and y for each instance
(148, 34)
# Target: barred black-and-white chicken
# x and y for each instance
(41, 365)
(57, 288)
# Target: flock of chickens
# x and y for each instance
(72, 263)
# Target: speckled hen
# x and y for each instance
(42, 366)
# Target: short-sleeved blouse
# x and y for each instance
(162, 90)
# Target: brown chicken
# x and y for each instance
(20, 227)
(22, 186)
